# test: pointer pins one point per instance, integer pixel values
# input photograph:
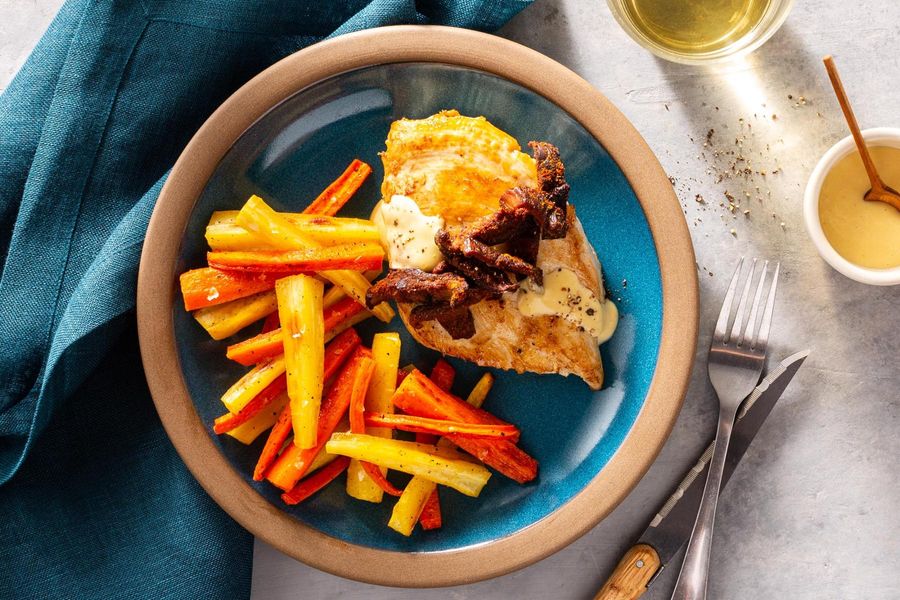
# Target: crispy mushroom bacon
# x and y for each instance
(414, 285)
(490, 257)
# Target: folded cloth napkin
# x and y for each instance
(94, 501)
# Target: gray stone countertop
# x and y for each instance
(812, 510)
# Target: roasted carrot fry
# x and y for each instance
(316, 481)
(357, 422)
(281, 430)
(351, 257)
(303, 336)
(223, 233)
(341, 190)
(421, 397)
(446, 468)
(441, 427)
(225, 320)
(321, 460)
(352, 319)
(252, 383)
(411, 506)
(260, 347)
(294, 462)
(260, 422)
(340, 312)
(403, 372)
(480, 391)
(268, 344)
(230, 420)
(208, 287)
(335, 293)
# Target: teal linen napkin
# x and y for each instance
(94, 501)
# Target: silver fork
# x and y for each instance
(736, 361)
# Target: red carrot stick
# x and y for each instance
(443, 375)
(439, 427)
(341, 190)
(431, 518)
(315, 482)
(358, 425)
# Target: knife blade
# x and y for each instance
(671, 526)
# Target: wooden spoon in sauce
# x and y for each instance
(879, 192)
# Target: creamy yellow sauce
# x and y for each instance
(406, 234)
(865, 233)
(565, 296)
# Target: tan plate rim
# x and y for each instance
(157, 294)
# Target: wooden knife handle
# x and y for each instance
(630, 578)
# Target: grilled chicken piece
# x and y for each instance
(458, 167)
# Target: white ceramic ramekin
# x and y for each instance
(878, 136)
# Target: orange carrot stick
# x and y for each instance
(441, 427)
(351, 257)
(274, 443)
(268, 344)
(336, 354)
(358, 424)
(419, 396)
(292, 464)
(443, 374)
(430, 517)
(230, 420)
(208, 287)
(316, 481)
(341, 190)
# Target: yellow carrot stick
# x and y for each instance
(303, 336)
(223, 232)
(386, 352)
(334, 294)
(409, 506)
(262, 421)
(252, 383)
(441, 466)
(224, 320)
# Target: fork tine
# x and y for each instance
(722, 323)
(754, 310)
(739, 317)
(763, 337)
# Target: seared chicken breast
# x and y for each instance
(456, 168)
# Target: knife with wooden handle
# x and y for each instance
(671, 527)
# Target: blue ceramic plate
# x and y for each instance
(300, 145)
